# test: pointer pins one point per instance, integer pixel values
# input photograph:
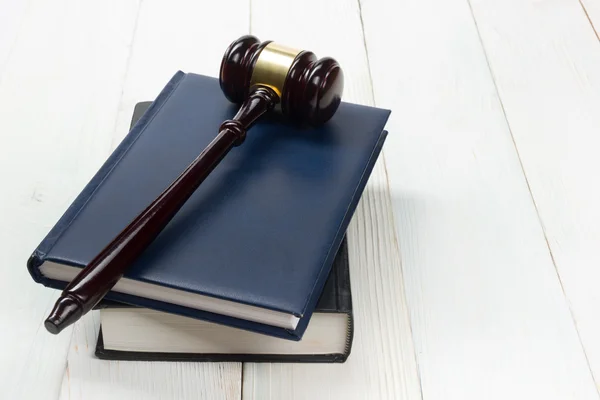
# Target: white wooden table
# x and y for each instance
(475, 251)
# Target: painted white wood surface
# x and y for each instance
(474, 274)
(60, 86)
(194, 41)
(382, 363)
(177, 35)
(489, 317)
(13, 12)
(89, 378)
(545, 59)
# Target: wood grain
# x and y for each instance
(489, 317)
(177, 35)
(166, 35)
(477, 276)
(13, 12)
(59, 93)
(382, 363)
(550, 91)
(87, 377)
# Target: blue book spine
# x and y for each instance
(39, 255)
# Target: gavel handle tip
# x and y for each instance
(66, 311)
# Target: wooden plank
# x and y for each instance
(382, 362)
(488, 314)
(59, 93)
(90, 378)
(169, 36)
(546, 64)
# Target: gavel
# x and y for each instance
(261, 76)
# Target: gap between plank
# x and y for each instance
(493, 77)
(242, 376)
(589, 19)
(126, 74)
(362, 28)
(249, 22)
(14, 42)
(388, 186)
(243, 365)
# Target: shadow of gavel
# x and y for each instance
(259, 76)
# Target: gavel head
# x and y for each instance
(309, 89)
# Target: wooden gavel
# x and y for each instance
(259, 75)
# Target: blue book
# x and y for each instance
(253, 246)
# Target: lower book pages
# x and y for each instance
(140, 334)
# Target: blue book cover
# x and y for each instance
(254, 245)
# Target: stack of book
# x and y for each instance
(254, 267)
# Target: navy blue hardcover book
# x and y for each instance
(253, 246)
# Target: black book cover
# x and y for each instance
(335, 298)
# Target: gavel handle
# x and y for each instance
(105, 270)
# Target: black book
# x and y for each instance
(135, 333)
